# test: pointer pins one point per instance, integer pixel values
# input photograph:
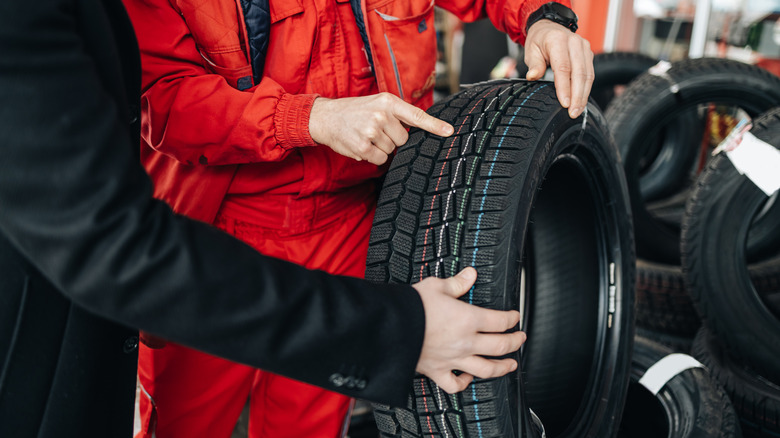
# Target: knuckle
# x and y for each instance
(379, 117)
(385, 98)
(564, 68)
(370, 132)
(586, 44)
(418, 115)
(363, 149)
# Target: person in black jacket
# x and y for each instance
(87, 257)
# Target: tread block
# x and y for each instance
(403, 244)
(407, 223)
(387, 212)
(381, 233)
(378, 254)
(400, 269)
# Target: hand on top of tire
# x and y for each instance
(458, 335)
(569, 56)
(369, 127)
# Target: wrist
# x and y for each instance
(553, 12)
(291, 120)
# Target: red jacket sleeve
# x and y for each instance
(195, 115)
(509, 16)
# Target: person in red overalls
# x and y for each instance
(273, 122)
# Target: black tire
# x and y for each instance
(678, 344)
(766, 279)
(662, 301)
(668, 161)
(756, 400)
(665, 312)
(649, 105)
(615, 69)
(718, 218)
(690, 404)
(536, 202)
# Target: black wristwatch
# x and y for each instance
(554, 12)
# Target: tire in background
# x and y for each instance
(616, 69)
(668, 160)
(755, 399)
(718, 218)
(650, 104)
(662, 301)
(690, 404)
(665, 312)
(678, 344)
(536, 202)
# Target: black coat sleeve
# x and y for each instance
(76, 202)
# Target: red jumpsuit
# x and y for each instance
(244, 161)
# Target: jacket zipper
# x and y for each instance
(395, 68)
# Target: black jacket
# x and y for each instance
(86, 253)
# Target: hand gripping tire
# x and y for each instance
(672, 395)
(537, 203)
(718, 220)
(650, 104)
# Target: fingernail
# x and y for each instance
(468, 274)
(513, 367)
(574, 112)
(448, 130)
(566, 102)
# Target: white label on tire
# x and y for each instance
(759, 161)
(660, 69)
(665, 369)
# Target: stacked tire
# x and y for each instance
(738, 302)
(708, 239)
(673, 395)
(664, 124)
(537, 203)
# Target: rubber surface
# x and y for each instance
(689, 405)
(537, 203)
(649, 105)
(616, 69)
(755, 399)
(662, 301)
(718, 219)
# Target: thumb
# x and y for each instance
(461, 283)
(536, 63)
(452, 383)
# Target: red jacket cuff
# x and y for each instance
(291, 120)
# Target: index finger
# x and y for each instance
(581, 76)
(560, 63)
(413, 116)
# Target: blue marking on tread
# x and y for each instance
(476, 235)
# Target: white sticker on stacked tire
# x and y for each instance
(662, 71)
(665, 369)
(758, 161)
